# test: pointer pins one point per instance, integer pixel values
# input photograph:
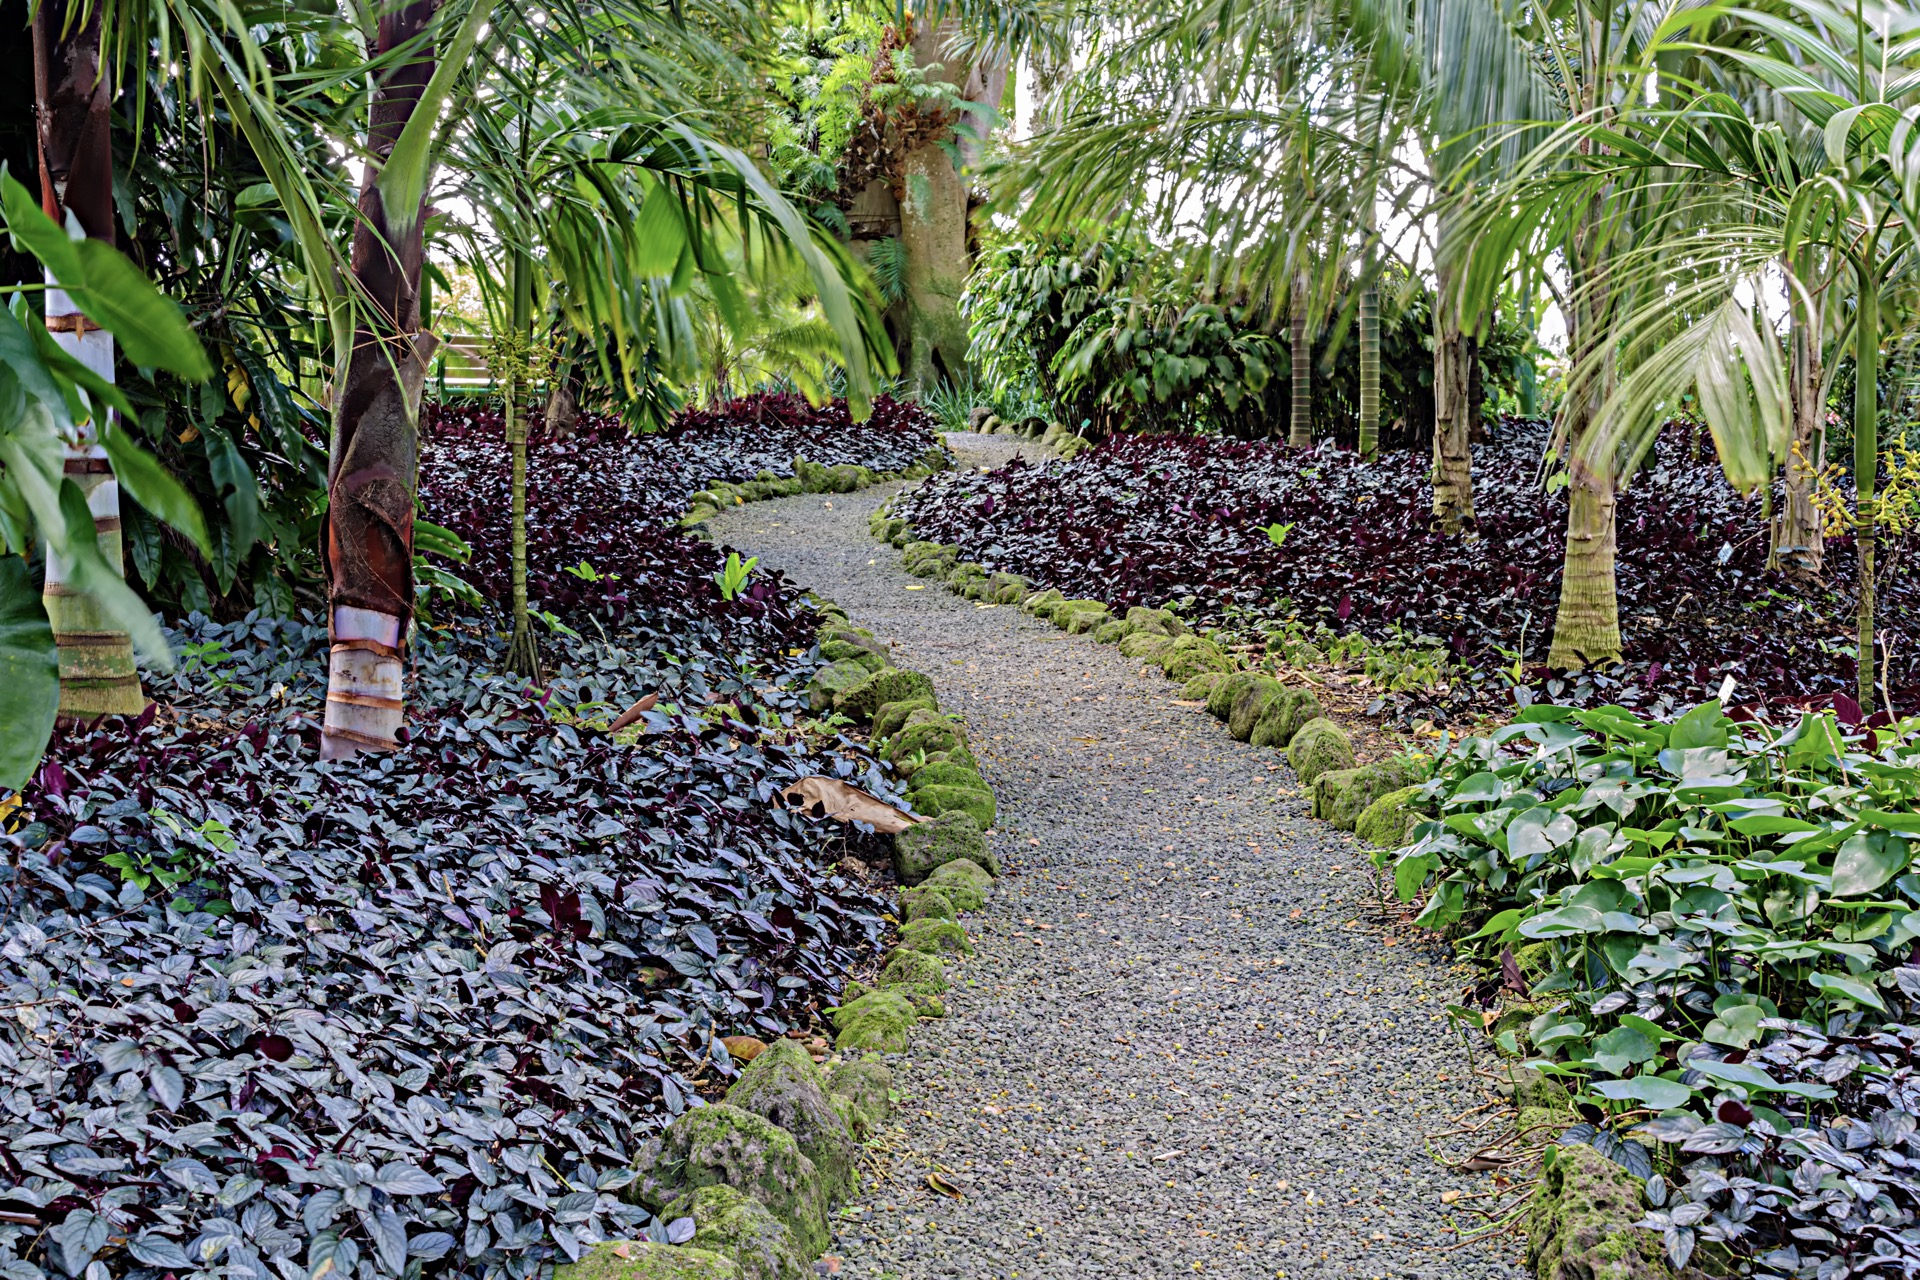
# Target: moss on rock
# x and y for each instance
(1251, 703)
(1081, 621)
(922, 849)
(926, 902)
(724, 1144)
(923, 734)
(1387, 822)
(934, 799)
(1040, 603)
(638, 1260)
(905, 967)
(1190, 655)
(1327, 789)
(892, 716)
(784, 1086)
(1111, 631)
(1319, 746)
(1160, 621)
(935, 937)
(834, 679)
(964, 881)
(879, 1020)
(1147, 646)
(1580, 1226)
(1284, 717)
(1368, 784)
(1231, 686)
(739, 1228)
(861, 1090)
(949, 773)
(882, 687)
(1201, 687)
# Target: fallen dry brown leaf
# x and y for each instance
(633, 713)
(831, 798)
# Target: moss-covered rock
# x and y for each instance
(1073, 446)
(999, 584)
(1081, 621)
(934, 799)
(698, 513)
(891, 685)
(737, 1227)
(1319, 746)
(1111, 631)
(1008, 595)
(935, 937)
(965, 882)
(922, 849)
(1040, 603)
(725, 1144)
(1531, 1088)
(1284, 717)
(1326, 790)
(1581, 1224)
(926, 902)
(638, 1260)
(1190, 655)
(846, 477)
(1365, 785)
(1250, 703)
(1201, 687)
(1147, 646)
(892, 717)
(948, 773)
(922, 735)
(920, 970)
(879, 1020)
(1163, 621)
(1231, 686)
(834, 679)
(861, 1089)
(783, 1085)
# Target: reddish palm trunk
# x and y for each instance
(373, 462)
(71, 96)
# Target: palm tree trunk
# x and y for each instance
(1369, 442)
(1866, 462)
(1453, 412)
(1799, 544)
(373, 465)
(1586, 630)
(1300, 427)
(97, 672)
(523, 651)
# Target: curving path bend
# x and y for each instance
(1182, 1048)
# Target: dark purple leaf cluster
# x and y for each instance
(269, 1017)
(1155, 519)
(608, 500)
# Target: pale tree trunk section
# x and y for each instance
(1586, 629)
(1453, 414)
(1369, 442)
(1799, 540)
(1300, 423)
(71, 97)
(373, 465)
(933, 230)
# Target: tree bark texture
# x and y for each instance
(1799, 541)
(523, 651)
(1369, 371)
(1586, 630)
(1453, 414)
(933, 229)
(1300, 424)
(373, 467)
(71, 104)
(1866, 464)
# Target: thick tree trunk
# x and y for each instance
(1799, 542)
(372, 470)
(1369, 442)
(1300, 425)
(1586, 631)
(1453, 414)
(933, 230)
(71, 96)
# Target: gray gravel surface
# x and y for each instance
(1184, 1046)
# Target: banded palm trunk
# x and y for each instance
(372, 469)
(71, 95)
(1586, 626)
(523, 651)
(1866, 463)
(1300, 428)
(1453, 413)
(1369, 442)
(1799, 544)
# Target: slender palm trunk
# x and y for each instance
(1866, 461)
(71, 95)
(1300, 427)
(1453, 413)
(1369, 371)
(1586, 630)
(523, 651)
(1799, 545)
(373, 464)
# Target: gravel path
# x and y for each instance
(1183, 1047)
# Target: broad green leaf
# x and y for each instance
(1736, 1027)
(1563, 922)
(1480, 788)
(1499, 924)
(152, 486)
(149, 326)
(1751, 1077)
(1651, 1030)
(1538, 830)
(1591, 848)
(1410, 875)
(29, 675)
(239, 491)
(1767, 825)
(1850, 989)
(88, 571)
(403, 175)
(1866, 861)
(36, 233)
(1652, 1090)
(1905, 822)
(1704, 726)
(1621, 1048)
